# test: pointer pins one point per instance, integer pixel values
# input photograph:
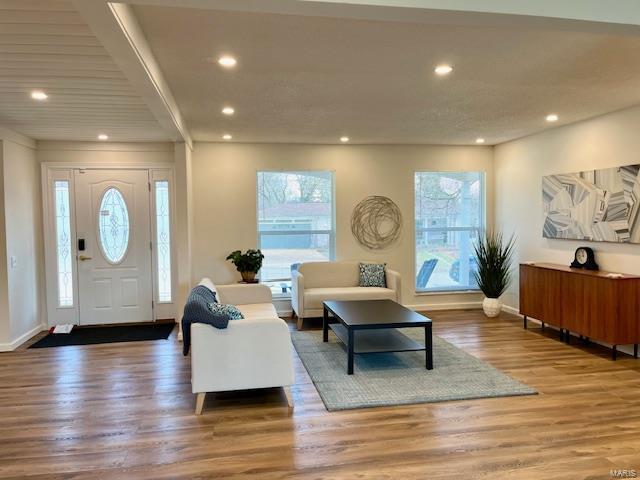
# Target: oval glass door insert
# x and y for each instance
(113, 226)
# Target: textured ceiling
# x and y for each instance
(45, 44)
(314, 79)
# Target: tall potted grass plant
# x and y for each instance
(494, 256)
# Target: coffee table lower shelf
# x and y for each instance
(376, 340)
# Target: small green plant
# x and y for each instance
(248, 263)
(494, 256)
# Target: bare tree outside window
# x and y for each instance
(449, 214)
(295, 223)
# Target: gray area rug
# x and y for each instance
(384, 379)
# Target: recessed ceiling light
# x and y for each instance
(226, 136)
(443, 70)
(479, 140)
(228, 110)
(227, 61)
(39, 95)
(344, 139)
(103, 136)
(552, 117)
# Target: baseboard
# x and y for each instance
(621, 348)
(445, 306)
(285, 313)
(512, 310)
(9, 347)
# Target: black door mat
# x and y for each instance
(111, 334)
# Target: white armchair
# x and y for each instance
(315, 282)
(254, 352)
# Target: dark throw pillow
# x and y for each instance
(229, 312)
(373, 275)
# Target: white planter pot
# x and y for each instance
(491, 307)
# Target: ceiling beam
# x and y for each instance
(117, 28)
(573, 15)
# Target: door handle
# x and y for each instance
(82, 258)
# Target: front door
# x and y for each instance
(114, 246)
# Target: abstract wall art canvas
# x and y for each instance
(598, 205)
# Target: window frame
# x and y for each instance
(331, 233)
(72, 275)
(482, 227)
(156, 240)
(163, 308)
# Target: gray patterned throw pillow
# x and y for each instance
(230, 312)
(373, 275)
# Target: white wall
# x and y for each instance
(22, 297)
(607, 141)
(23, 222)
(5, 319)
(184, 224)
(224, 198)
(102, 153)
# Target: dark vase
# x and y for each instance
(249, 277)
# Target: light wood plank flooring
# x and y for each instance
(126, 411)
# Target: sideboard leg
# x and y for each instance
(635, 350)
(562, 334)
(567, 337)
(542, 325)
(524, 320)
(614, 352)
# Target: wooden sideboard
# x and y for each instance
(591, 304)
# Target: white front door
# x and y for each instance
(114, 255)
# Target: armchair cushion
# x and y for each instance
(315, 296)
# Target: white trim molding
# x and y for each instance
(117, 28)
(11, 346)
(432, 307)
(15, 137)
(73, 146)
(51, 171)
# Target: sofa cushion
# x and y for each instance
(313, 297)
(330, 274)
(373, 275)
(258, 310)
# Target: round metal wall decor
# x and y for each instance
(376, 222)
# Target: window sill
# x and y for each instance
(283, 296)
(447, 292)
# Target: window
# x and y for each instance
(63, 243)
(295, 223)
(113, 225)
(449, 215)
(163, 241)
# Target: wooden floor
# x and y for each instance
(126, 411)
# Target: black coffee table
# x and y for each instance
(375, 322)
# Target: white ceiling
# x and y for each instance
(311, 79)
(45, 44)
(310, 71)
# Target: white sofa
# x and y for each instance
(254, 352)
(315, 282)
